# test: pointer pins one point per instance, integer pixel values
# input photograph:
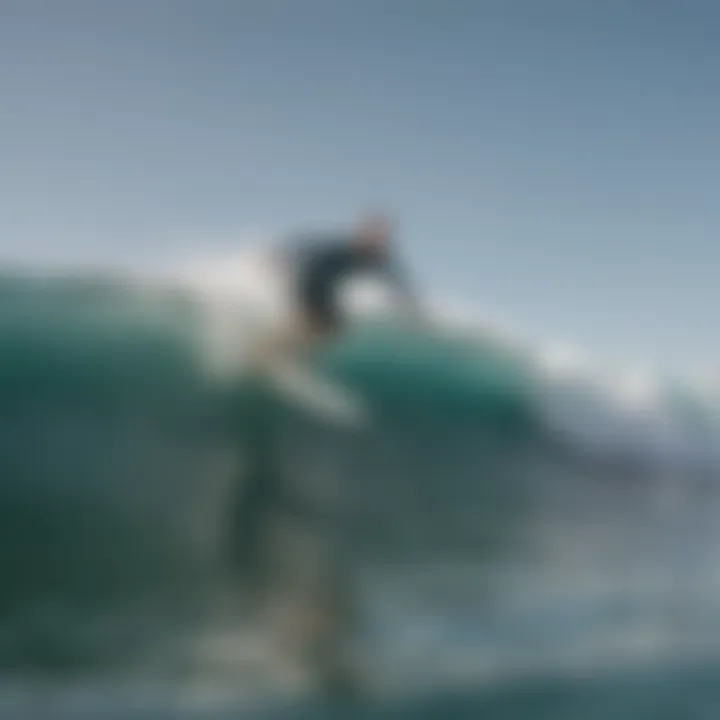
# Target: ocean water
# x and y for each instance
(511, 537)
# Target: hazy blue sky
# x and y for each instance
(558, 161)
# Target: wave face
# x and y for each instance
(500, 517)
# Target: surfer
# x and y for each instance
(317, 265)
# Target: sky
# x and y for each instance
(555, 162)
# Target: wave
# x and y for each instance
(136, 467)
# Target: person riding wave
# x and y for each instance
(319, 263)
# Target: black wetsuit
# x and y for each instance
(321, 264)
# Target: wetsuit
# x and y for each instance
(321, 264)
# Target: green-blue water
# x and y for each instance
(482, 548)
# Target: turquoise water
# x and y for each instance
(498, 532)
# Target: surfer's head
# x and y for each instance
(374, 232)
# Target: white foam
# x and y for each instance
(608, 405)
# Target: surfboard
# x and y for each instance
(318, 395)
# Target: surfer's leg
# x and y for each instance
(297, 339)
(315, 322)
(320, 316)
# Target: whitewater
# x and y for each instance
(520, 531)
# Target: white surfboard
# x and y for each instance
(314, 393)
